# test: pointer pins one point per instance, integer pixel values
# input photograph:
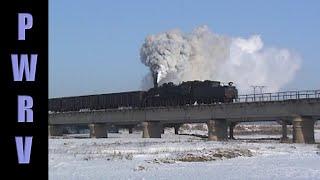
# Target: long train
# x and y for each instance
(168, 94)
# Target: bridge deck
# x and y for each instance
(238, 111)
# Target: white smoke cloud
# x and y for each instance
(204, 55)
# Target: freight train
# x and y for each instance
(168, 94)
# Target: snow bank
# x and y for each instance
(128, 156)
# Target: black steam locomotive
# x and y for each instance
(190, 92)
(168, 94)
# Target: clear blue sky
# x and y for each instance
(94, 44)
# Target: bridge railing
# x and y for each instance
(279, 96)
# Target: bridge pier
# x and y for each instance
(130, 130)
(176, 129)
(98, 130)
(284, 137)
(55, 130)
(303, 129)
(217, 130)
(231, 127)
(152, 129)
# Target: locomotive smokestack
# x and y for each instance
(155, 79)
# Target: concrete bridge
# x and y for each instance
(299, 108)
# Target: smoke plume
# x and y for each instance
(175, 56)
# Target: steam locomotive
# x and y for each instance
(190, 92)
(168, 94)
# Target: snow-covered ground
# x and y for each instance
(128, 156)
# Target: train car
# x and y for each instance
(96, 102)
(54, 104)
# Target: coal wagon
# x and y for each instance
(96, 102)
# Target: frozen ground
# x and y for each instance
(128, 156)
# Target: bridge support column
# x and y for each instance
(98, 130)
(176, 129)
(231, 127)
(284, 137)
(55, 130)
(130, 130)
(303, 129)
(217, 130)
(152, 129)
